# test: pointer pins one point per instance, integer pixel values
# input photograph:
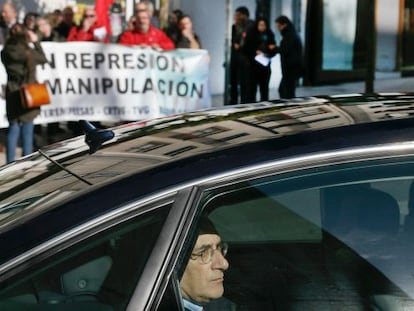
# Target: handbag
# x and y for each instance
(34, 95)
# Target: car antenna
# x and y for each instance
(64, 168)
(94, 138)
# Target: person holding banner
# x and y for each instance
(144, 33)
(20, 55)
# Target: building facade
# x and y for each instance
(334, 32)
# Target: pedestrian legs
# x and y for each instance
(27, 137)
(13, 133)
(234, 81)
(264, 79)
(287, 87)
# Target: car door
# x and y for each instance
(97, 265)
(328, 231)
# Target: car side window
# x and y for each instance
(99, 273)
(319, 238)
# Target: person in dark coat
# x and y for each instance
(65, 26)
(291, 58)
(7, 20)
(172, 30)
(20, 55)
(260, 41)
(239, 62)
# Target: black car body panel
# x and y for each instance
(258, 134)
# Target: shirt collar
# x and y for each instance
(192, 306)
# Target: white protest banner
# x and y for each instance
(111, 82)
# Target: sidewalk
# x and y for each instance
(384, 83)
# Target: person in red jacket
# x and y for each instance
(88, 30)
(145, 34)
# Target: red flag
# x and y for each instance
(102, 13)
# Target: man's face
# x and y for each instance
(202, 282)
(143, 21)
(280, 26)
(67, 16)
(172, 19)
(261, 26)
(90, 14)
(9, 13)
(140, 6)
(237, 18)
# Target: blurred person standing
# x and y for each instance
(57, 18)
(48, 34)
(64, 27)
(187, 39)
(88, 30)
(149, 6)
(172, 29)
(45, 29)
(291, 59)
(20, 55)
(9, 18)
(131, 23)
(29, 21)
(239, 61)
(144, 33)
(260, 46)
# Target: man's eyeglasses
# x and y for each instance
(206, 255)
(90, 15)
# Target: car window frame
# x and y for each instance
(84, 231)
(175, 230)
(195, 204)
(312, 160)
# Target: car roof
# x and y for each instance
(139, 146)
(189, 146)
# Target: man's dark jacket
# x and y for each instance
(291, 54)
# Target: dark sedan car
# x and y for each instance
(314, 198)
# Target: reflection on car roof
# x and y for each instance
(142, 145)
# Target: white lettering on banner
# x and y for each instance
(111, 82)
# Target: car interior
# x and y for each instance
(348, 253)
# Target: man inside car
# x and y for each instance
(202, 281)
